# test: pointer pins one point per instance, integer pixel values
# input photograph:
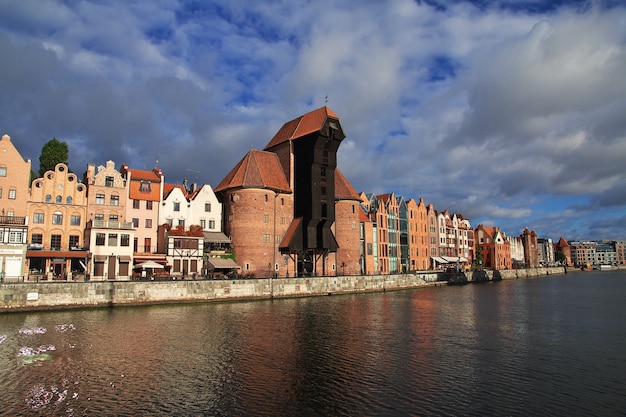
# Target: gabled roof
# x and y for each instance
(302, 126)
(343, 189)
(258, 169)
(168, 188)
(139, 177)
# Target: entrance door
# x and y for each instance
(112, 265)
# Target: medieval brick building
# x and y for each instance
(288, 209)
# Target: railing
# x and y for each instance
(41, 247)
(111, 224)
(13, 220)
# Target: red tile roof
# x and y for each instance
(343, 189)
(302, 126)
(258, 169)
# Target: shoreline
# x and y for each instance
(30, 297)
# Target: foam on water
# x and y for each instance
(35, 330)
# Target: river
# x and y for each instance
(552, 345)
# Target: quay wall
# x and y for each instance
(30, 296)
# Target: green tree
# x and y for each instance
(560, 257)
(52, 153)
(478, 260)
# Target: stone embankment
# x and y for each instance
(31, 296)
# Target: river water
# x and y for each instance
(554, 345)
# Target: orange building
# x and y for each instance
(418, 235)
(57, 208)
(14, 177)
(495, 247)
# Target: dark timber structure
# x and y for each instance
(307, 149)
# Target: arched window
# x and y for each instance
(48, 198)
(68, 199)
(59, 199)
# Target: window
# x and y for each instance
(57, 218)
(100, 199)
(113, 217)
(170, 222)
(55, 242)
(115, 200)
(135, 204)
(68, 199)
(109, 182)
(98, 216)
(74, 241)
(0, 192)
(3, 171)
(207, 207)
(148, 223)
(58, 199)
(266, 218)
(38, 218)
(135, 222)
(148, 205)
(211, 224)
(112, 239)
(203, 224)
(144, 187)
(75, 220)
(181, 223)
(266, 238)
(100, 239)
(176, 206)
(12, 193)
(16, 237)
(147, 242)
(36, 239)
(48, 198)
(124, 239)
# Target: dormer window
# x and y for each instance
(145, 187)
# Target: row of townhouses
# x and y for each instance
(286, 210)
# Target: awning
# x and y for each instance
(99, 258)
(125, 258)
(56, 254)
(454, 259)
(438, 260)
(216, 237)
(149, 265)
(222, 263)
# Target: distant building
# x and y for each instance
(495, 247)
(529, 240)
(545, 251)
(564, 247)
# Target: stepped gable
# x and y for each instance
(343, 189)
(302, 126)
(257, 169)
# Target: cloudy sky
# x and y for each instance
(511, 113)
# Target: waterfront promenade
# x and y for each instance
(30, 296)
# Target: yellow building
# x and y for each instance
(57, 209)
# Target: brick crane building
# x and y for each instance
(282, 204)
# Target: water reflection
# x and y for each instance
(506, 348)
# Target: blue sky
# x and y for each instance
(511, 113)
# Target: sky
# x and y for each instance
(510, 113)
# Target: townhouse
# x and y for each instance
(14, 177)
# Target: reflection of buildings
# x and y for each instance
(14, 175)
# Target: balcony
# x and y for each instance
(12, 220)
(111, 224)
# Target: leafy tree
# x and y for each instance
(52, 153)
(560, 257)
(478, 260)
